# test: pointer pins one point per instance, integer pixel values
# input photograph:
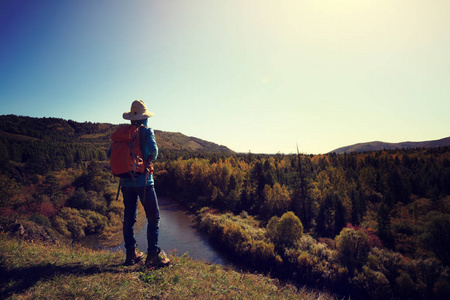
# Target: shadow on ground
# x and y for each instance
(18, 280)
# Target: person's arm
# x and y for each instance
(151, 146)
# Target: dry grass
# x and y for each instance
(37, 271)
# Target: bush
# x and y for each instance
(76, 223)
(240, 235)
(441, 288)
(116, 208)
(437, 235)
(8, 192)
(405, 286)
(286, 231)
(373, 284)
(61, 225)
(374, 240)
(40, 219)
(353, 248)
(263, 251)
(87, 200)
(95, 223)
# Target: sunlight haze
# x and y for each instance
(259, 76)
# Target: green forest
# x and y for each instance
(372, 224)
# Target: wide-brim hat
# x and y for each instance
(138, 111)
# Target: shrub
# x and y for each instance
(262, 251)
(306, 243)
(353, 248)
(305, 262)
(407, 275)
(40, 219)
(405, 286)
(116, 208)
(77, 223)
(240, 235)
(387, 262)
(285, 231)
(234, 235)
(437, 235)
(373, 284)
(9, 190)
(373, 239)
(61, 225)
(428, 271)
(441, 288)
(76, 226)
(95, 223)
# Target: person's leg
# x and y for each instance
(150, 204)
(155, 256)
(130, 214)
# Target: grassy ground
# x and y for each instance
(36, 271)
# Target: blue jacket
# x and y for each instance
(149, 149)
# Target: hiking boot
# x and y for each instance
(157, 259)
(133, 257)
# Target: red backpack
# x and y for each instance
(126, 155)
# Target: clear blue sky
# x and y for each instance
(253, 75)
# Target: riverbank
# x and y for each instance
(33, 270)
(178, 232)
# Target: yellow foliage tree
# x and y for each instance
(277, 199)
(285, 231)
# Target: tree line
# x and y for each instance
(376, 224)
(326, 192)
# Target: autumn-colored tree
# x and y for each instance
(285, 231)
(353, 248)
(384, 226)
(301, 201)
(9, 190)
(437, 235)
(52, 185)
(277, 199)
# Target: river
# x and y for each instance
(177, 234)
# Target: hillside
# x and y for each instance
(93, 134)
(377, 146)
(179, 141)
(57, 271)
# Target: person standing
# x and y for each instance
(142, 187)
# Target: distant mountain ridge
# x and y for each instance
(179, 141)
(95, 134)
(377, 146)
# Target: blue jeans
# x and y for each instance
(150, 204)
